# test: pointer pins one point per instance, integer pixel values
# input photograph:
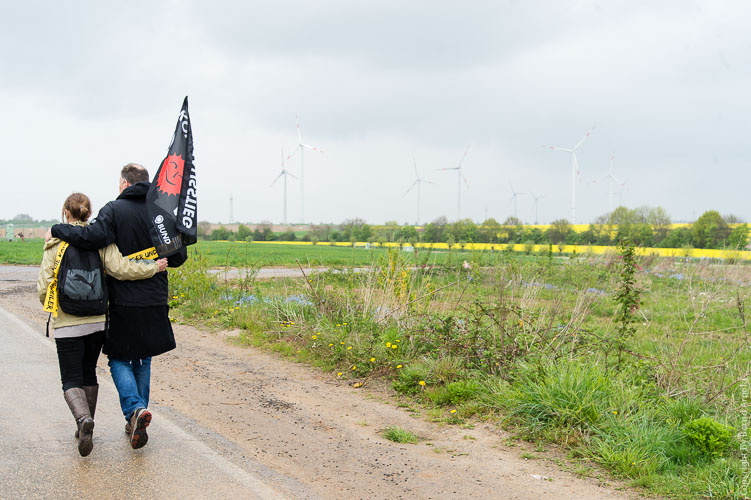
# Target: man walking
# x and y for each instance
(139, 325)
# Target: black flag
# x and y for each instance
(171, 201)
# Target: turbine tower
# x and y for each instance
(417, 183)
(611, 178)
(536, 198)
(460, 177)
(514, 195)
(301, 147)
(574, 170)
(284, 173)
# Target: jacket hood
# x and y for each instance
(137, 190)
(54, 241)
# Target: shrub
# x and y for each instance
(710, 436)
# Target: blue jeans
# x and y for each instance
(132, 379)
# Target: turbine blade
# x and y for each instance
(465, 180)
(312, 148)
(410, 188)
(556, 148)
(414, 164)
(277, 178)
(293, 152)
(464, 156)
(299, 133)
(291, 175)
(581, 141)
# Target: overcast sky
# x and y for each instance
(86, 87)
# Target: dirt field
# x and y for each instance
(307, 425)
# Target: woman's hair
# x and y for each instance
(78, 205)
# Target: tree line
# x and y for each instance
(645, 226)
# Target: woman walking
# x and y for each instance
(79, 339)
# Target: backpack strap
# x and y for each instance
(50, 299)
(48, 324)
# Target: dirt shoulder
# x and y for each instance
(307, 425)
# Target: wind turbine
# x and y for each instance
(301, 147)
(612, 178)
(536, 198)
(574, 170)
(417, 183)
(284, 174)
(513, 198)
(460, 176)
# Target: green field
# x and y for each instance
(528, 342)
(243, 254)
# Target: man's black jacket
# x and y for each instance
(124, 222)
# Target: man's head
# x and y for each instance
(131, 174)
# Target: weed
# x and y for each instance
(399, 435)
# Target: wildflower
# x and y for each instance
(330, 345)
(422, 383)
(216, 312)
(615, 412)
(313, 337)
(354, 367)
(182, 295)
(453, 411)
(338, 325)
(349, 347)
(398, 340)
(291, 322)
(372, 360)
(398, 366)
(339, 374)
(342, 342)
(174, 296)
(388, 344)
(345, 324)
(394, 346)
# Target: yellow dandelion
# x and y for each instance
(615, 412)
(341, 343)
(216, 312)
(330, 345)
(393, 346)
(422, 383)
(174, 296)
(345, 324)
(398, 366)
(339, 374)
(372, 360)
(348, 348)
(388, 344)
(398, 340)
(453, 411)
(338, 325)
(354, 367)
(291, 322)
(182, 295)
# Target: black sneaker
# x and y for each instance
(138, 422)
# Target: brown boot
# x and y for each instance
(92, 392)
(79, 407)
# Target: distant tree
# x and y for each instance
(733, 219)
(489, 231)
(676, 238)
(435, 231)
(463, 230)
(710, 230)
(355, 230)
(660, 221)
(220, 233)
(738, 238)
(287, 236)
(389, 230)
(558, 231)
(243, 232)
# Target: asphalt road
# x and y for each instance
(39, 457)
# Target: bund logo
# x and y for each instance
(158, 219)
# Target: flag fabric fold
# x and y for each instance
(171, 201)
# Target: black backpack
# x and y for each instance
(81, 287)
